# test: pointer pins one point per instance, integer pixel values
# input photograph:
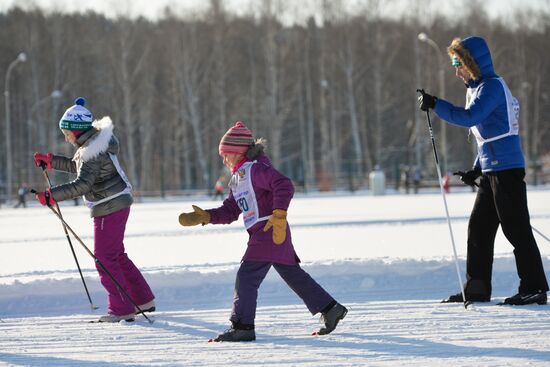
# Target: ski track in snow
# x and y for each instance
(223, 230)
(386, 333)
(386, 258)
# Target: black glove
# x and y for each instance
(469, 177)
(426, 101)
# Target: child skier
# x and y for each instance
(263, 195)
(107, 192)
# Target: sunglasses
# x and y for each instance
(455, 61)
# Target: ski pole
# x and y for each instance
(445, 204)
(120, 288)
(47, 177)
(533, 228)
(540, 234)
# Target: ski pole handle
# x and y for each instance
(46, 198)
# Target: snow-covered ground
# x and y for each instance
(388, 258)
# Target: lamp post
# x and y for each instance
(55, 94)
(22, 57)
(417, 118)
(423, 37)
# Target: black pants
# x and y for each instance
(502, 199)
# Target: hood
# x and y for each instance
(97, 140)
(262, 158)
(474, 54)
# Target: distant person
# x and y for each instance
(108, 194)
(417, 179)
(219, 188)
(446, 183)
(21, 196)
(492, 115)
(406, 178)
(262, 194)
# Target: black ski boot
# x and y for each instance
(237, 333)
(470, 297)
(331, 318)
(475, 290)
(522, 299)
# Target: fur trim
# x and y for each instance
(256, 149)
(98, 144)
(457, 48)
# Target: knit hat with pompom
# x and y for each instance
(77, 117)
(237, 140)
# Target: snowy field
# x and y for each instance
(388, 258)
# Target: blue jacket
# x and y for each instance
(488, 112)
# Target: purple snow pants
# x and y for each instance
(252, 273)
(109, 249)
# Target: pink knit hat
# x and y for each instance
(237, 140)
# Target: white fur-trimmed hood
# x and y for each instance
(97, 144)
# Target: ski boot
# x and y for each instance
(331, 318)
(522, 299)
(237, 333)
(470, 297)
(147, 307)
(116, 318)
(475, 290)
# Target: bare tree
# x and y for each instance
(128, 60)
(333, 96)
(191, 70)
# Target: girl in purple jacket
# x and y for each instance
(262, 194)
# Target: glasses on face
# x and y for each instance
(455, 61)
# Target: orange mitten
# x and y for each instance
(278, 222)
(198, 216)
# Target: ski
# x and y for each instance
(106, 322)
(151, 319)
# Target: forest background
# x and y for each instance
(334, 95)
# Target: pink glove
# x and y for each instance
(43, 160)
(45, 198)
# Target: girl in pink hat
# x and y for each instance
(262, 194)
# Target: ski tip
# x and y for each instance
(315, 333)
(211, 340)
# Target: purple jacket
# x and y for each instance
(273, 190)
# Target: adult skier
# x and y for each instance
(492, 115)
